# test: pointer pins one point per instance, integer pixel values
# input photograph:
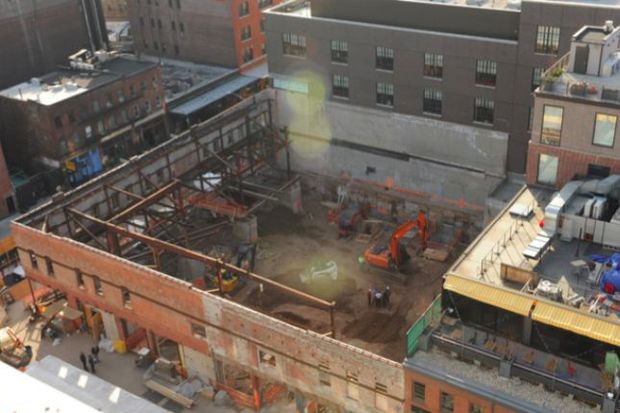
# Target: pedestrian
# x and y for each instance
(95, 352)
(83, 360)
(387, 294)
(369, 296)
(378, 297)
(91, 361)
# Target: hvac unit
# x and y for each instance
(598, 210)
(587, 209)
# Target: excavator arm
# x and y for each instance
(401, 231)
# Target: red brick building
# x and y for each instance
(226, 33)
(85, 118)
(576, 112)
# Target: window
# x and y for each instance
(433, 65)
(340, 86)
(49, 266)
(246, 33)
(353, 391)
(199, 331)
(33, 260)
(604, 129)
(446, 403)
(324, 378)
(173, 26)
(182, 27)
(266, 358)
(248, 54)
(97, 284)
(547, 169)
(385, 58)
(415, 409)
(294, 44)
(432, 101)
(419, 392)
(483, 110)
(551, 125)
(381, 401)
(547, 40)
(58, 121)
(120, 96)
(262, 25)
(71, 116)
(486, 72)
(126, 295)
(244, 9)
(530, 120)
(340, 51)
(536, 76)
(79, 278)
(385, 94)
(475, 408)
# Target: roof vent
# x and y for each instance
(609, 26)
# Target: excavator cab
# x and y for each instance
(390, 255)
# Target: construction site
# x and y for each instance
(215, 254)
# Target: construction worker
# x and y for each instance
(369, 296)
(91, 361)
(83, 360)
(95, 352)
(386, 296)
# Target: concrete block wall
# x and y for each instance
(168, 307)
(445, 159)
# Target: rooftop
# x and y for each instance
(181, 77)
(514, 265)
(511, 392)
(89, 389)
(66, 83)
(302, 7)
(588, 72)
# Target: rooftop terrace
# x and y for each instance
(554, 286)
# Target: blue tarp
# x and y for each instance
(87, 165)
(610, 281)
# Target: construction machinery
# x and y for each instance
(390, 255)
(12, 349)
(350, 217)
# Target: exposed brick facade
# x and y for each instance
(115, 10)
(59, 132)
(571, 163)
(202, 31)
(463, 400)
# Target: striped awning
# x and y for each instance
(578, 322)
(500, 297)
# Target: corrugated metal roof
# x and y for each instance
(585, 324)
(496, 296)
(212, 95)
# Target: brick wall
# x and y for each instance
(463, 400)
(168, 306)
(570, 163)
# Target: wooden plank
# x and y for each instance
(169, 393)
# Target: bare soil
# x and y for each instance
(290, 243)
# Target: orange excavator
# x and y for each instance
(389, 255)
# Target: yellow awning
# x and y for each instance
(585, 324)
(496, 296)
